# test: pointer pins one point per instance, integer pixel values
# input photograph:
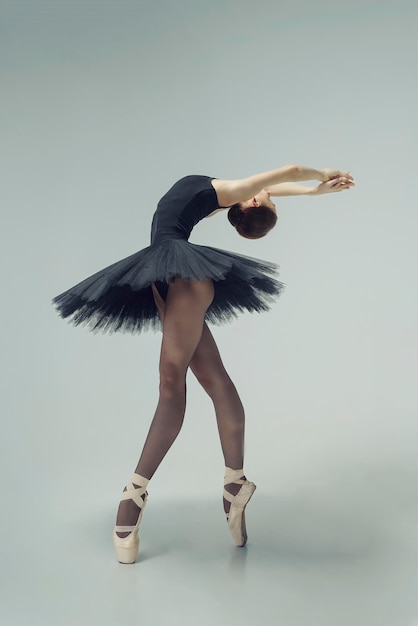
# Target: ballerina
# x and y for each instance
(179, 287)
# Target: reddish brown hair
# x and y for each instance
(253, 223)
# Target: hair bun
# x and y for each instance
(235, 215)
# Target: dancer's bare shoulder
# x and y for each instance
(222, 193)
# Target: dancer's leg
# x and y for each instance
(186, 305)
(209, 370)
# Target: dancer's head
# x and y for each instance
(253, 218)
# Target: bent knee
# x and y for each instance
(214, 383)
(172, 379)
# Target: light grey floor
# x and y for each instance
(323, 559)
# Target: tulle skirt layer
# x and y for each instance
(119, 297)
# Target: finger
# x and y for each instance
(341, 186)
(340, 175)
(345, 181)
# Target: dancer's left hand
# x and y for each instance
(334, 185)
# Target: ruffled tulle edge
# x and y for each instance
(126, 311)
(122, 310)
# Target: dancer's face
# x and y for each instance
(263, 197)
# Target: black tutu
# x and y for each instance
(119, 297)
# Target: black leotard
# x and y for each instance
(188, 201)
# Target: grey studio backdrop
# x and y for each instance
(105, 105)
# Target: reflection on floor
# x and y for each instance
(308, 562)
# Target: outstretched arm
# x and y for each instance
(232, 191)
(333, 185)
(289, 189)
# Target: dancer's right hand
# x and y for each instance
(330, 174)
(333, 185)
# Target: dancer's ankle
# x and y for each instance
(130, 509)
(231, 485)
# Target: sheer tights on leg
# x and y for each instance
(165, 427)
(186, 305)
(209, 370)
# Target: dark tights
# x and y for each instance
(188, 342)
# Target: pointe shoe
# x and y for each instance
(236, 515)
(127, 547)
